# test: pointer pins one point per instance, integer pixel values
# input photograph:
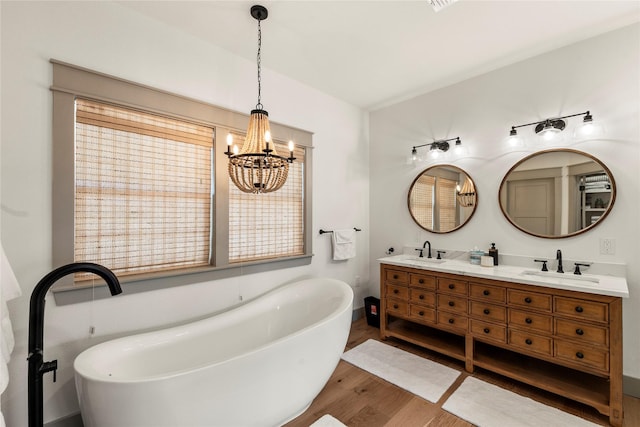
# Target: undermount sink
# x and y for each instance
(562, 276)
(425, 260)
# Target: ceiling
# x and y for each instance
(373, 53)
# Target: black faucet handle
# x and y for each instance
(420, 249)
(544, 264)
(578, 264)
(439, 253)
(48, 367)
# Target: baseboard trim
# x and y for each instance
(631, 386)
(73, 420)
(357, 314)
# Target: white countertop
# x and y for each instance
(589, 283)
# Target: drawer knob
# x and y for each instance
(527, 300)
(528, 341)
(485, 292)
(528, 320)
(579, 355)
(451, 321)
(579, 309)
(451, 286)
(579, 331)
(421, 313)
(451, 303)
(395, 291)
(421, 296)
(395, 276)
(486, 311)
(486, 330)
(421, 281)
(395, 306)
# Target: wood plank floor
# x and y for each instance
(358, 398)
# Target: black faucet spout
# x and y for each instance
(559, 258)
(426, 242)
(37, 368)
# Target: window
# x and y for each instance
(141, 187)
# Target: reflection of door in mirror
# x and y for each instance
(530, 204)
(557, 193)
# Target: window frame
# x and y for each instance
(71, 82)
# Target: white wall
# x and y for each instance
(599, 74)
(115, 40)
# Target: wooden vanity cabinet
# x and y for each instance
(565, 342)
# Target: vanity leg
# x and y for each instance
(469, 351)
(615, 361)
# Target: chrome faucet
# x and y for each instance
(37, 368)
(426, 242)
(559, 258)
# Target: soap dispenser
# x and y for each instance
(493, 253)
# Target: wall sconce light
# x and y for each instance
(549, 129)
(437, 148)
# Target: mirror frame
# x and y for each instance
(475, 207)
(614, 192)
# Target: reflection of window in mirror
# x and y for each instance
(435, 199)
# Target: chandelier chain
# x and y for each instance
(259, 104)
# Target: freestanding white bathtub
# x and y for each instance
(260, 364)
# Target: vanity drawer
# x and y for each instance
(401, 292)
(452, 286)
(581, 309)
(487, 292)
(531, 300)
(490, 312)
(453, 321)
(488, 330)
(581, 332)
(422, 314)
(531, 342)
(398, 307)
(452, 304)
(421, 281)
(528, 320)
(395, 276)
(419, 296)
(581, 355)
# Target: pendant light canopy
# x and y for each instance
(257, 167)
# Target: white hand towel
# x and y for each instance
(9, 289)
(344, 244)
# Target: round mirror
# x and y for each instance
(442, 198)
(557, 193)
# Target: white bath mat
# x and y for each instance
(487, 405)
(327, 421)
(415, 374)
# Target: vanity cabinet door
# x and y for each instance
(486, 330)
(399, 292)
(422, 281)
(397, 307)
(453, 321)
(396, 276)
(422, 314)
(422, 297)
(488, 312)
(452, 304)
(581, 355)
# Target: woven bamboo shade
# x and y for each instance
(143, 190)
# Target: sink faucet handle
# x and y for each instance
(578, 264)
(439, 253)
(544, 264)
(420, 249)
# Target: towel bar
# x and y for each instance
(331, 231)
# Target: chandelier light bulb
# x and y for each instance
(229, 140)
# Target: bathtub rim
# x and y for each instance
(345, 305)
